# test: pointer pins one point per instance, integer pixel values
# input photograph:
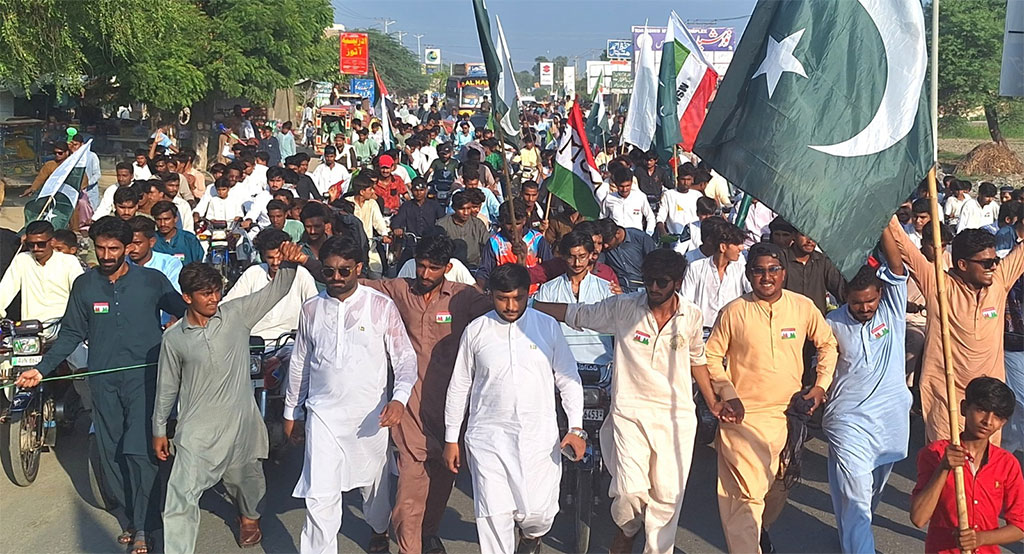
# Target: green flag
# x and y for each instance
(500, 75)
(823, 117)
(597, 118)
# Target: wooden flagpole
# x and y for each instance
(940, 279)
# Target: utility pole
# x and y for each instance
(385, 22)
(401, 35)
(419, 51)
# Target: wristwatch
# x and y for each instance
(579, 433)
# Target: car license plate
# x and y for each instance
(593, 414)
(26, 361)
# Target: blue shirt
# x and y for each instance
(867, 416)
(287, 143)
(171, 268)
(588, 347)
(184, 246)
(1006, 239)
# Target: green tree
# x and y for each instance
(970, 54)
(525, 80)
(398, 66)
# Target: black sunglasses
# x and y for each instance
(987, 263)
(658, 282)
(328, 271)
(36, 244)
(762, 271)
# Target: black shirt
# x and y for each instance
(416, 219)
(814, 278)
(652, 184)
(306, 189)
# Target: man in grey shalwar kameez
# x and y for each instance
(204, 364)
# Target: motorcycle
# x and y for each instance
(228, 249)
(584, 483)
(267, 377)
(441, 191)
(29, 416)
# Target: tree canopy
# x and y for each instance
(398, 66)
(168, 54)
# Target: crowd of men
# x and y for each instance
(456, 363)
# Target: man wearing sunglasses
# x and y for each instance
(976, 290)
(648, 437)
(338, 383)
(42, 276)
(762, 335)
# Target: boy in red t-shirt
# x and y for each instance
(992, 479)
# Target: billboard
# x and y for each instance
(710, 39)
(432, 56)
(620, 49)
(362, 87)
(569, 81)
(547, 74)
(354, 53)
(595, 70)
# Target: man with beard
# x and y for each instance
(338, 382)
(435, 311)
(762, 334)
(220, 432)
(116, 307)
(509, 363)
(648, 437)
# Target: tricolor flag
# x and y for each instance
(686, 83)
(880, 331)
(575, 174)
(819, 91)
(383, 113)
(788, 333)
(500, 75)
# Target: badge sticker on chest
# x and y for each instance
(100, 308)
(180, 256)
(880, 331)
(443, 317)
(642, 338)
(789, 333)
(988, 313)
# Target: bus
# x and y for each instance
(466, 93)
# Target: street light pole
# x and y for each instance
(419, 50)
(385, 22)
(401, 35)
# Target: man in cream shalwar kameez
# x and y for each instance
(762, 334)
(647, 439)
(339, 373)
(506, 372)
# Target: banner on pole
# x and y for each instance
(432, 56)
(355, 53)
(547, 74)
(569, 81)
(362, 87)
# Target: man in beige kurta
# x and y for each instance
(977, 300)
(762, 334)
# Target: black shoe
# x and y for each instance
(766, 543)
(433, 545)
(528, 546)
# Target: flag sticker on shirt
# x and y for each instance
(789, 333)
(988, 313)
(180, 256)
(443, 317)
(880, 331)
(642, 338)
(100, 308)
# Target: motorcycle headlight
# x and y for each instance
(27, 346)
(591, 398)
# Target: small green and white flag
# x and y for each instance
(823, 117)
(575, 174)
(597, 119)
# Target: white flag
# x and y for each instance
(642, 118)
(56, 181)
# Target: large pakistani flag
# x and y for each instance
(686, 82)
(500, 75)
(575, 174)
(823, 116)
(597, 119)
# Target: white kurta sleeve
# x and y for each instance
(399, 348)
(457, 398)
(601, 316)
(648, 214)
(297, 385)
(567, 377)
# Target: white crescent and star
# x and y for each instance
(901, 27)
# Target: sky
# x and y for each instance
(532, 28)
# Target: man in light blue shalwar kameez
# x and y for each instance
(867, 416)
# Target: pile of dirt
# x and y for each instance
(990, 158)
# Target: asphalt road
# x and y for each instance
(55, 514)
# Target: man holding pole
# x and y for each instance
(978, 284)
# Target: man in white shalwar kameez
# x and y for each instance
(339, 374)
(509, 363)
(647, 439)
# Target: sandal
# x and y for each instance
(379, 543)
(139, 544)
(125, 537)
